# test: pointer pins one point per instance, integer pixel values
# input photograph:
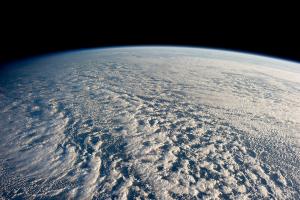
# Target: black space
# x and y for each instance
(26, 33)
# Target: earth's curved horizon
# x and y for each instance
(150, 122)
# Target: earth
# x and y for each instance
(150, 123)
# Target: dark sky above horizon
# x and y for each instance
(25, 34)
